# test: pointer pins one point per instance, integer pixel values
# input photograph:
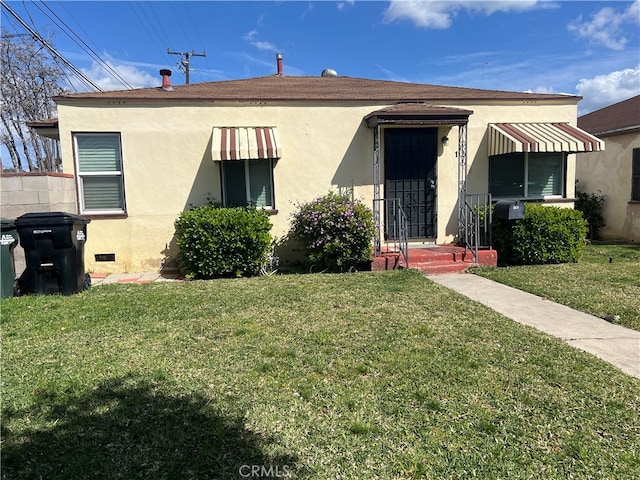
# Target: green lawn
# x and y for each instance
(357, 376)
(605, 282)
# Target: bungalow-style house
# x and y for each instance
(614, 173)
(141, 157)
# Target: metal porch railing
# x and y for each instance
(476, 222)
(391, 230)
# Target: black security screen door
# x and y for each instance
(410, 174)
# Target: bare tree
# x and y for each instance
(29, 80)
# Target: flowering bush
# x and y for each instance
(335, 232)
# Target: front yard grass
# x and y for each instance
(356, 376)
(605, 282)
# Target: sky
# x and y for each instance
(586, 48)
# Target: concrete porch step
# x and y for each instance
(436, 260)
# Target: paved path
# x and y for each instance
(147, 277)
(612, 343)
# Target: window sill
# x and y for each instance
(558, 200)
(634, 202)
(104, 216)
(536, 199)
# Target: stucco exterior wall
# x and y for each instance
(168, 165)
(609, 173)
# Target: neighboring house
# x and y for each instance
(615, 172)
(143, 156)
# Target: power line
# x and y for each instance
(52, 50)
(152, 24)
(82, 44)
(195, 30)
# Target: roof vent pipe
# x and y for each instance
(166, 81)
(279, 61)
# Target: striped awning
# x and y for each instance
(245, 143)
(540, 137)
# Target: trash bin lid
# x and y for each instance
(50, 218)
(7, 223)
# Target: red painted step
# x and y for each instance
(436, 259)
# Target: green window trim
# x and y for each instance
(635, 175)
(248, 182)
(528, 175)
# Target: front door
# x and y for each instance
(410, 156)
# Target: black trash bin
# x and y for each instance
(8, 242)
(53, 244)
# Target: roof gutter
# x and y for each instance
(617, 131)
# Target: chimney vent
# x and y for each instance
(279, 61)
(166, 81)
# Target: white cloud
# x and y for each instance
(439, 13)
(251, 38)
(604, 27)
(603, 90)
(347, 3)
(107, 78)
(264, 46)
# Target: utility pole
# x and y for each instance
(184, 60)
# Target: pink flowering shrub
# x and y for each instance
(335, 232)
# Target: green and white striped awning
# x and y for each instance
(540, 137)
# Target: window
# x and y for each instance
(99, 167)
(527, 175)
(247, 182)
(635, 175)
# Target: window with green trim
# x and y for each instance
(248, 182)
(99, 173)
(527, 175)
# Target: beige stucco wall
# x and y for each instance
(609, 173)
(168, 166)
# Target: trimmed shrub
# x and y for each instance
(223, 242)
(545, 235)
(335, 231)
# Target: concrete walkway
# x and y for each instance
(146, 277)
(612, 343)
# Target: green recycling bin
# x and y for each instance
(8, 242)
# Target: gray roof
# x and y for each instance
(621, 117)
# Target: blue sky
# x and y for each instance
(589, 48)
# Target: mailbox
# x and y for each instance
(508, 210)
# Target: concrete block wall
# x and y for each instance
(22, 193)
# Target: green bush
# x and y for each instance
(335, 231)
(545, 235)
(223, 242)
(591, 205)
